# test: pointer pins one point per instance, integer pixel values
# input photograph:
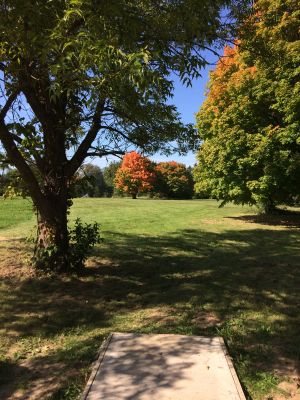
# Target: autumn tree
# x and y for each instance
(136, 174)
(173, 180)
(81, 78)
(250, 120)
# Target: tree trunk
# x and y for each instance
(269, 207)
(52, 243)
(133, 195)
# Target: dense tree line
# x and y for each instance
(89, 181)
(134, 175)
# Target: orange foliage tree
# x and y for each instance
(249, 123)
(135, 175)
(174, 180)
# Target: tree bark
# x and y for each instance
(52, 243)
(133, 195)
(270, 207)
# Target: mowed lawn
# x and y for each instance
(185, 267)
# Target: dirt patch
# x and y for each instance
(286, 367)
(93, 263)
(212, 221)
(42, 379)
(162, 317)
(206, 320)
(287, 390)
(226, 221)
(14, 260)
(7, 239)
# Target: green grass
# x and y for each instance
(14, 215)
(184, 267)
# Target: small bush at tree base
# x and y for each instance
(82, 238)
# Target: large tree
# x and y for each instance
(250, 121)
(84, 78)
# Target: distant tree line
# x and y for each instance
(90, 181)
(11, 183)
(134, 175)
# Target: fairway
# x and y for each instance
(165, 266)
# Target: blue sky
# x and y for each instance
(188, 101)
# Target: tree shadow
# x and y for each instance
(9, 373)
(286, 218)
(248, 279)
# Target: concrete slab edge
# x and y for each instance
(232, 370)
(96, 366)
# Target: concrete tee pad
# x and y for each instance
(163, 367)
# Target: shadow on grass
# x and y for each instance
(249, 279)
(9, 370)
(279, 218)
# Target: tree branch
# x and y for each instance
(19, 162)
(102, 153)
(8, 104)
(38, 159)
(85, 145)
(119, 132)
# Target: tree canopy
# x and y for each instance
(250, 120)
(84, 78)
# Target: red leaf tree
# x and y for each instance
(135, 175)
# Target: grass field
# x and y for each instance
(184, 267)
